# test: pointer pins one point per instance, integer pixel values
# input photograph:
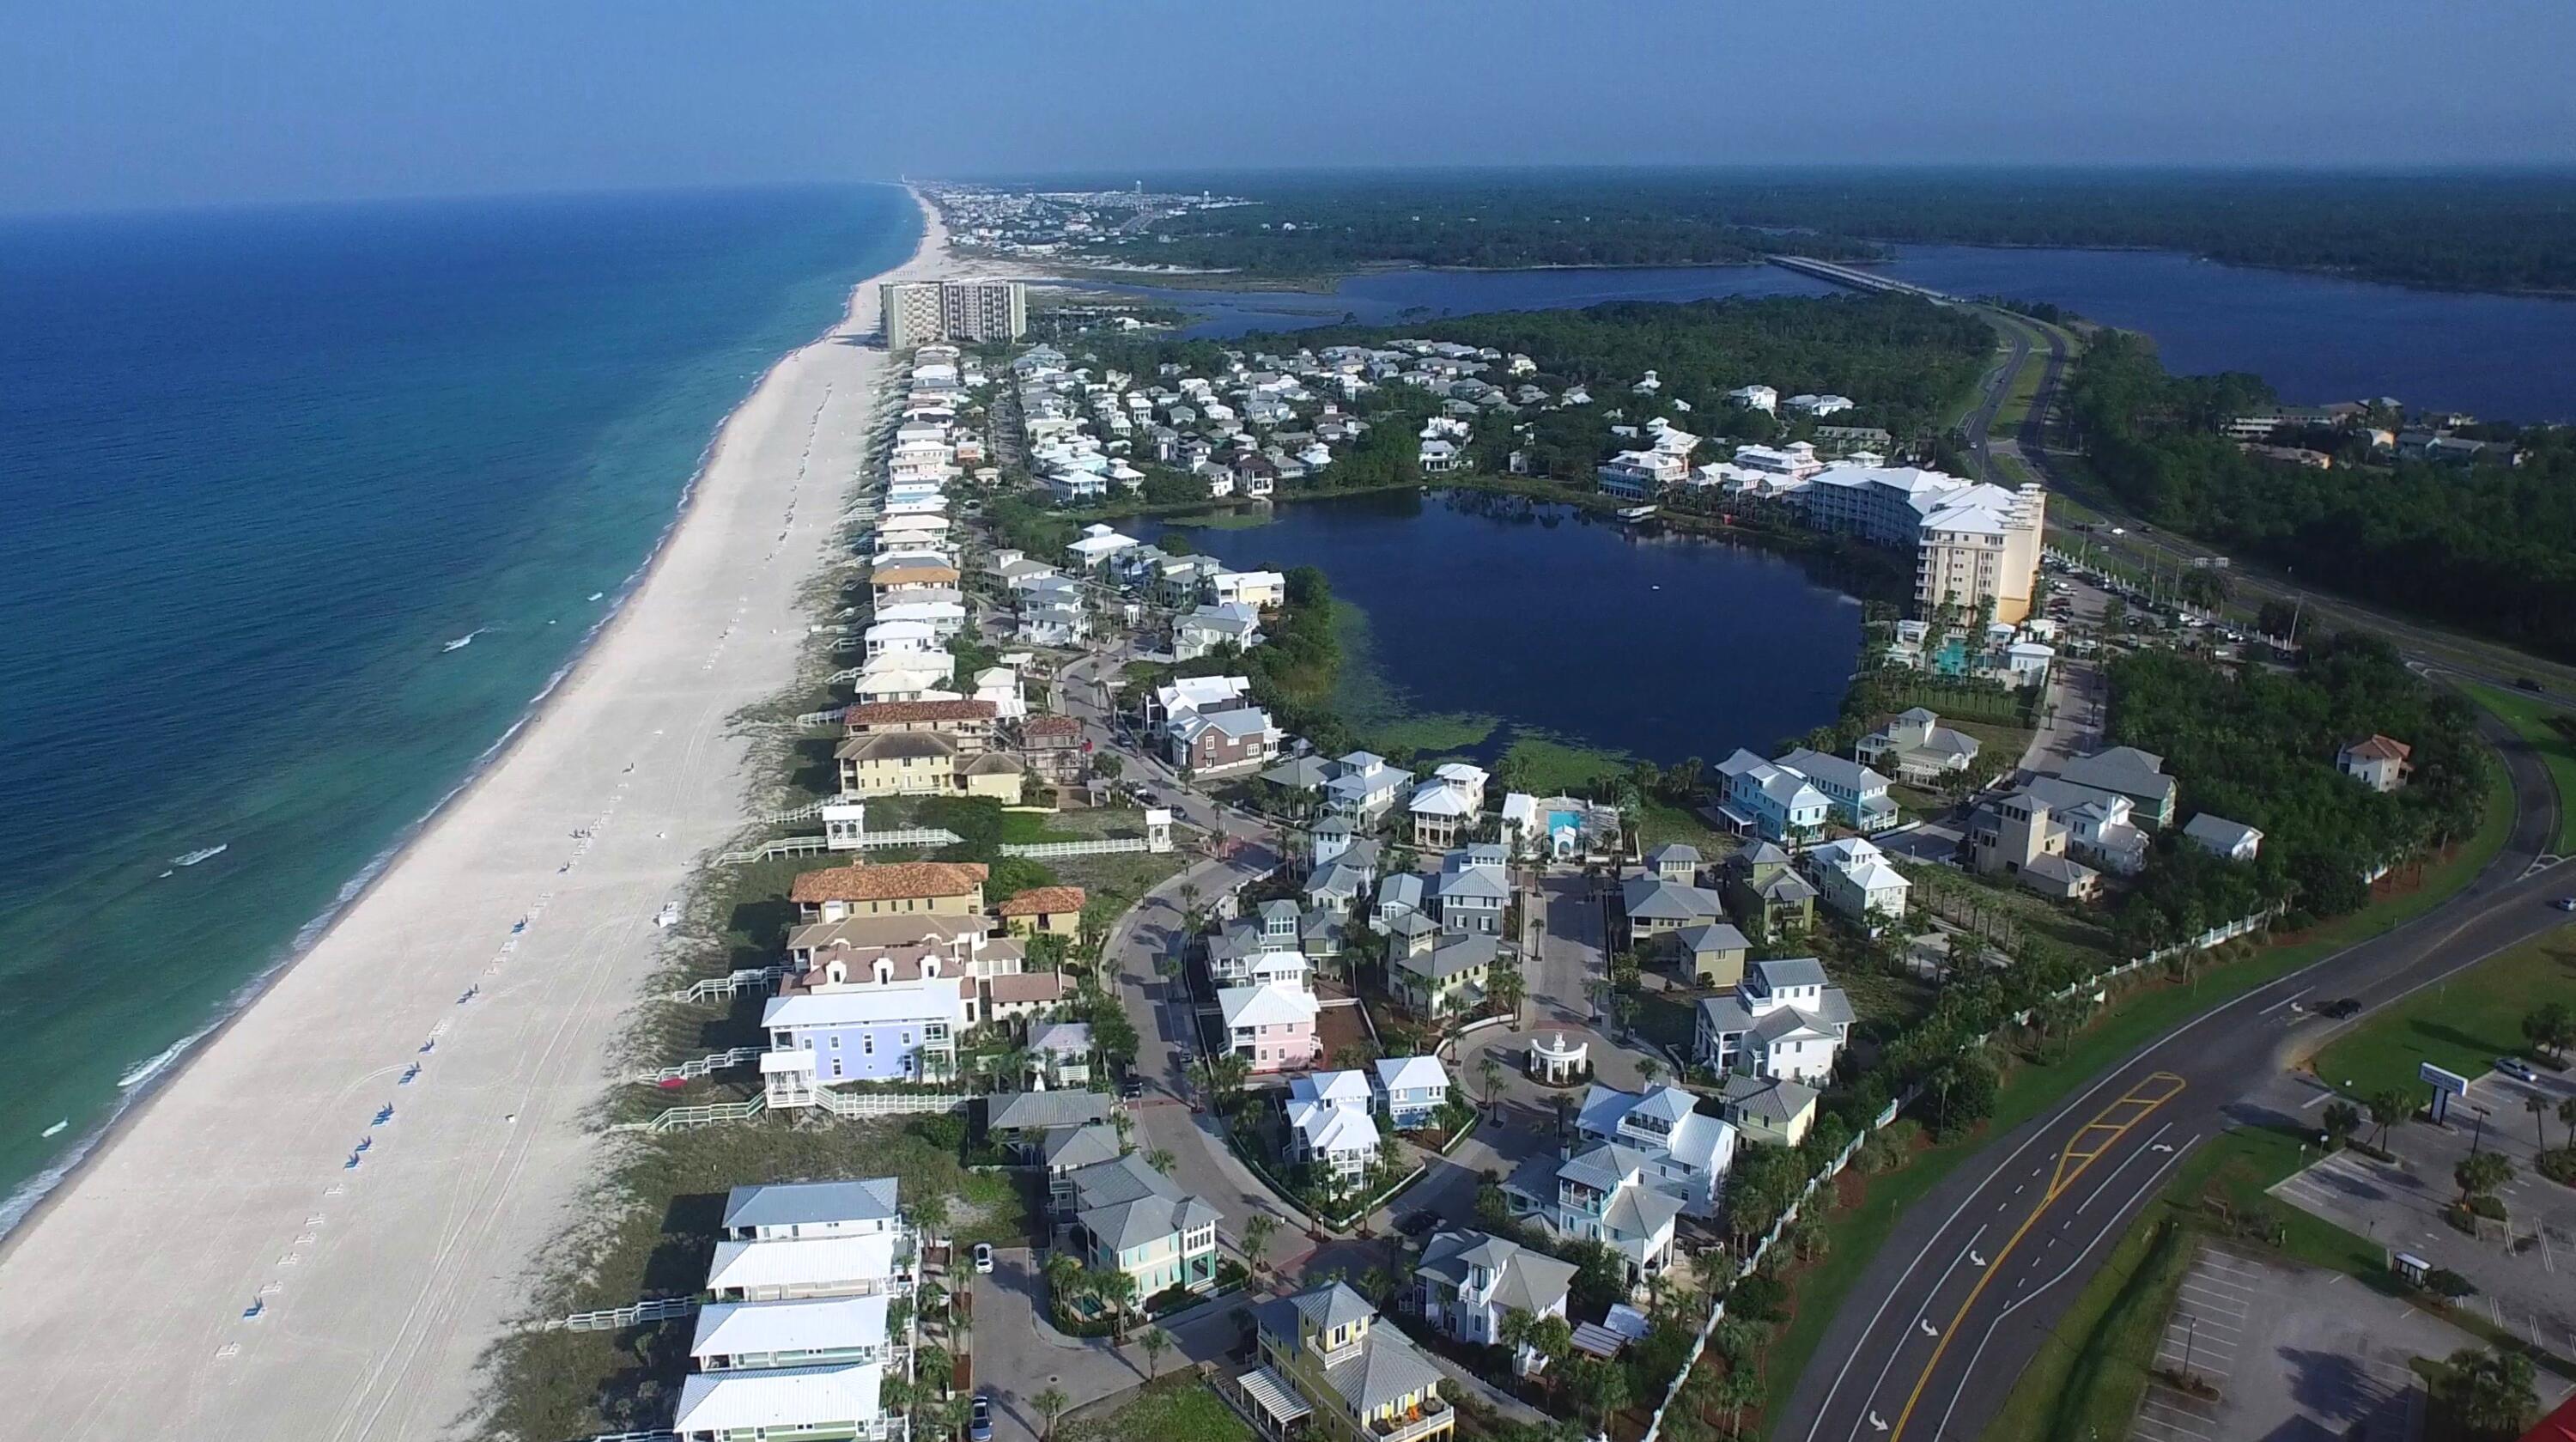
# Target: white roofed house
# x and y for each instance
(1410, 1090)
(1854, 877)
(1271, 1026)
(1330, 1127)
(1467, 1282)
(785, 1402)
(1917, 747)
(1784, 1022)
(1859, 795)
(1771, 801)
(1363, 787)
(2221, 837)
(1641, 475)
(1227, 623)
(1446, 807)
(1686, 1150)
(1261, 948)
(1818, 405)
(807, 1332)
(1756, 398)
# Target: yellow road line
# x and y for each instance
(2090, 1141)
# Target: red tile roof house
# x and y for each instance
(968, 723)
(1053, 747)
(2376, 762)
(933, 888)
(1047, 910)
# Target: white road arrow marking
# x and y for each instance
(1875, 1425)
(1926, 1326)
(1973, 1259)
(2161, 1147)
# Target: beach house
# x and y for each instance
(1917, 747)
(1330, 1127)
(1770, 801)
(1327, 1362)
(1858, 794)
(1410, 1090)
(1472, 889)
(1043, 911)
(1783, 1022)
(1853, 877)
(831, 1032)
(1271, 1026)
(1467, 1282)
(1436, 974)
(1129, 1218)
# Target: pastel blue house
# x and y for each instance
(1410, 1090)
(892, 1031)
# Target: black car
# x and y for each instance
(2340, 1007)
(1132, 1088)
(2525, 683)
(1417, 1223)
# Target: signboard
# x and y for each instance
(2445, 1084)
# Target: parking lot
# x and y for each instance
(2525, 1271)
(2294, 1355)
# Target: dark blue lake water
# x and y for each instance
(2316, 339)
(1558, 622)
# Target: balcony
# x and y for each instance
(1430, 1417)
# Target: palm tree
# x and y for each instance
(957, 1414)
(2387, 1109)
(1378, 1285)
(2535, 1104)
(2567, 1119)
(1505, 984)
(931, 1297)
(1489, 1073)
(1064, 1281)
(929, 1215)
(1514, 1331)
(1649, 1071)
(1050, 1404)
(1161, 1160)
(1118, 1289)
(1155, 1342)
(1256, 1240)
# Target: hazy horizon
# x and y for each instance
(150, 105)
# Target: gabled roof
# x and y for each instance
(1022, 1110)
(1271, 1004)
(888, 881)
(1411, 1073)
(726, 1402)
(1451, 957)
(2376, 747)
(1332, 1305)
(1072, 1148)
(1790, 971)
(1652, 898)
(1715, 937)
(731, 1329)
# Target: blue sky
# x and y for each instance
(147, 103)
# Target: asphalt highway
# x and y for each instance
(1975, 1276)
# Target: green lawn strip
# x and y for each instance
(1557, 767)
(2030, 1088)
(1176, 1407)
(1662, 821)
(2530, 717)
(2462, 1024)
(2089, 1375)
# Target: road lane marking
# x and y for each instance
(2285, 1001)
(2097, 1192)
(2084, 1148)
(1919, 1314)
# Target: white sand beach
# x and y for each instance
(122, 1300)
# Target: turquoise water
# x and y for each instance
(260, 469)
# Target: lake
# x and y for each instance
(1561, 624)
(2315, 338)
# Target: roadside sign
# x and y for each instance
(2445, 1084)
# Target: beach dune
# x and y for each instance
(378, 1285)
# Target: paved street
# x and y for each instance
(1018, 1355)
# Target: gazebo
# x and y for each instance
(1557, 1060)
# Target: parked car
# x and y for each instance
(2517, 1068)
(2525, 683)
(1131, 1088)
(2340, 1007)
(2565, 903)
(980, 1429)
(983, 1259)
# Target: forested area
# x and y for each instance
(2460, 232)
(2260, 749)
(2489, 548)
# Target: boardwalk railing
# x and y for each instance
(701, 1066)
(750, 978)
(866, 841)
(861, 1105)
(681, 1118)
(1100, 846)
(616, 1318)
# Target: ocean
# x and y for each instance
(301, 512)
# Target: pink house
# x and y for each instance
(1272, 1025)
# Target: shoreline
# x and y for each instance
(170, 1067)
(453, 837)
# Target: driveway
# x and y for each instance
(1018, 1355)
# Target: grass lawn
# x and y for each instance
(2532, 718)
(1663, 821)
(1878, 997)
(1177, 1407)
(1556, 767)
(2462, 1024)
(2030, 1088)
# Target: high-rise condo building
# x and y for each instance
(918, 313)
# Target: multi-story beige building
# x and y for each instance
(920, 312)
(1978, 548)
(912, 313)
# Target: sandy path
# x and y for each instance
(121, 1302)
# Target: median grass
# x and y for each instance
(2131, 1021)
(2461, 1024)
(1177, 1407)
(2551, 730)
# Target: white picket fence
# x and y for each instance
(855, 1106)
(616, 1318)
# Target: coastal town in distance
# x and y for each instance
(1495, 802)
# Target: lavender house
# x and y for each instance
(898, 1031)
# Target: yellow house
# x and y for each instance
(925, 763)
(894, 888)
(1436, 980)
(1048, 910)
(1325, 1358)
